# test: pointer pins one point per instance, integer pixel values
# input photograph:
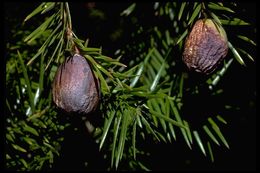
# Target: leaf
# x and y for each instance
(7, 103)
(106, 128)
(221, 119)
(50, 154)
(17, 130)
(30, 129)
(218, 7)
(182, 36)
(49, 6)
(235, 21)
(157, 77)
(215, 17)
(179, 120)
(216, 79)
(41, 75)
(134, 139)
(139, 121)
(40, 51)
(97, 69)
(210, 120)
(9, 137)
(181, 85)
(17, 147)
(38, 123)
(195, 14)
(110, 60)
(59, 45)
(103, 81)
(221, 4)
(245, 53)
(158, 108)
(236, 54)
(87, 50)
(38, 114)
(172, 131)
(50, 147)
(36, 11)
(150, 106)
(60, 51)
(143, 167)
(156, 5)
(188, 130)
(210, 134)
(30, 141)
(129, 10)
(197, 137)
(246, 39)
(98, 66)
(7, 157)
(37, 32)
(181, 10)
(24, 163)
(122, 137)
(150, 74)
(91, 49)
(27, 81)
(147, 125)
(117, 122)
(218, 132)
(176, 123)
(210, 152)
(123, 85)
(47, 43)
(138, 75)
(160, 135)
(168, 38)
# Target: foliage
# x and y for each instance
(141, 100)
(29, 111)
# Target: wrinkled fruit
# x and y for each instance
(75, 88)
(205, 47)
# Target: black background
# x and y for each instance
(239, 88)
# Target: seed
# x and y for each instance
(75, 87)
(205, 47)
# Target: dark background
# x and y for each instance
(239, 89)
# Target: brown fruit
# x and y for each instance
(75, 88)
(205, 47)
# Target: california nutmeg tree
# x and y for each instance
(91, 89)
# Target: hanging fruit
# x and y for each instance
(75, 87)
(205, 47)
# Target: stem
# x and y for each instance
(70, 42)
(69, 17)
(68, 25)
(204, 9)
